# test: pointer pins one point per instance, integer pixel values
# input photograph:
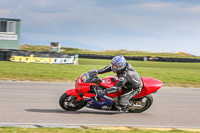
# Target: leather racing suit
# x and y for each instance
(129, 79)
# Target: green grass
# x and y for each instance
(67, 130)
(171, 74)
(179, 74)
(34, 48)
(41, 72)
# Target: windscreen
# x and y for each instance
(90, 76)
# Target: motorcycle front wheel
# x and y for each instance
(141, 104)
(70, 103)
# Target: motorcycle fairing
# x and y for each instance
(150, 85)
(86, 89)
(109, 81)
(74, 92)
(92, 103)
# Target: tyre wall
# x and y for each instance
(139, 58)
(58, 58)
(38, 57)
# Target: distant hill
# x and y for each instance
(64, 43)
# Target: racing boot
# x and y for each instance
(126, 107)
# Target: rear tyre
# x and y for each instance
(141, 104)
(70, 103)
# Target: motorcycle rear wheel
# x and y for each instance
(143, 104)
(70, 103)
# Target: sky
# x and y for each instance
(143, 25)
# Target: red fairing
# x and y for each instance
(150, 85)
(87, 96)
(81, 86)
(109, 82)
(106, 82)
(74, 92)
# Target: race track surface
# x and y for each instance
(37, 102)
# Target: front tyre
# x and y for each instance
(141, 104)
(70, 103)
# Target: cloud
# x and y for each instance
(155, 5)
(193, 9)
(103, 22)
(4, 12)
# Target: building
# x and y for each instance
(55, 47)
(9, 33)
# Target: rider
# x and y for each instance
(128, 78)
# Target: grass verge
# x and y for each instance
(67, 130)
(171, 74)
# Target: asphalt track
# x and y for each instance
(37, 102)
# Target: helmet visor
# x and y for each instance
(116, 67)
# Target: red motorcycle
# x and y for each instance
(85, 94)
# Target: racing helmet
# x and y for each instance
(118, 63)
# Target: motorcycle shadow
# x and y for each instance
(100, 112)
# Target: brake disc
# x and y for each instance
(138, 105)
